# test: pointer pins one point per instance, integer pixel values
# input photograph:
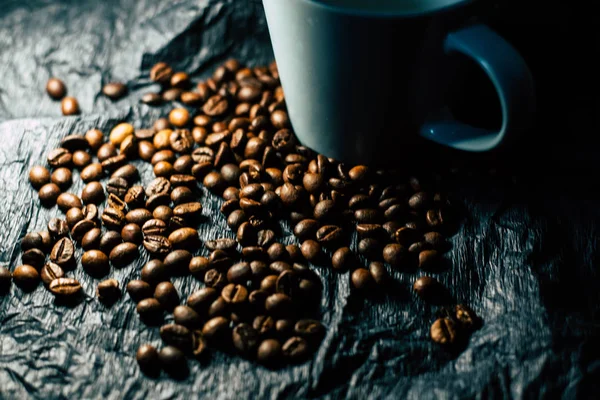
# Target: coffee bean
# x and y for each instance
(50, 272)
(215, 279)
(106, 151)
(239, 273)
(60, 157)
(149, 309)
(311, 250)
(91, 239)
(245, 339)
(188, 211)
(112, 218)
(129, 148)
(91, 173)
(123, 254)
(128, 172)
(158, 186)
(269, 283)
(47, 241)
(26, 277)
(74, 142)
(90, 211)
(68, 200)
(178, 336)
(309, 329)
(5, 279)
(65, 287)
(186, 316)
(173, 361)
(109, 240)
(379, 273)
(343, 259)
(120, 132)
(362, 279)
(113, 163)
(161, 72)
(181, 195)
(161, 123)
(329, 235)
(234, 294)
(214, 182)
(226, 244)
(269, 352)
(369, 247)
(132, 233)
(236, 218)
(215, 328)
(39, 176)
(444, 331)
(117, 186)
(93, 193)
(56, 88)
(167, 295)
(394, 254)
(114, 90)
(264, 325)
(139, 290)
(58, 228)
(48, 194)
(279, 305)
(32, 240)
(157, 245)
(180, 140)
(215, 106)
(95, 263)
(147, 358)
(69, 106)
(367, 216)
(108, 291)
(201, 299)
(219, 307)
(95, 138)
(63, 252)
(180, 80)
(306, 229)
(34, 257)
(154, 227)
(428, 288)
(151, 98)
(184, 238)
(295, 349)
(419, 201)
(81, 228)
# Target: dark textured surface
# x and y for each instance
(525, 258)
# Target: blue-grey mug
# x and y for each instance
(365, 80)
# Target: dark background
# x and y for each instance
(524, 259)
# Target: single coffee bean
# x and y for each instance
(215, 279)
(5, 279)
(90, 212)
(56, 88)
(311, 250)
(109, 241)
(444, 331)
(279, 305)
(173, 361)
(62, 177)
(73, 216)
(428, 288)
(120, 132)
(226, 244)
(113, 163)
(277, 252)
(215, 106)
(269, 283)
(39, 176)
(239, 273)
(58, 228)
(180, 80)
(264, 325)
(379, 273)
(69, 106)
(63, 252)
(362, 279)
(429, 259)
(157, 245)
(108, 291)
(367, 216)
(154, 227)
(215, 328)
(128, 172)
(466, 317)
(81, 228)
(65, 287)
(178, 336)
(186, 316)
(91, 173)
(132, 233)
(34, 257)
(178, 261)
(151, 98)
(188, 211)
(343, 259)
(214, 182)
(95, 263)
(269, 352)
(26, 277)
(114, 90)
(66, 201)
(306, 229)
(184, 238)
(236, 218)
(106, 151)
(50, 272)
(435, 240)
(158, 186)
(95, 138)
(245, 339)
(32, 240)
(219, 307)
(112, 218)
(47, 241)
(91, 239)
(329, 235)
(147, 358)
(161, 72)
(295, 349)
(234, 294)
(48, 194)
(123, 254)
(154, 272)
(74, 142)
(181, 195)
(309, 329)
(201, 299)
(60, 157)
(117, 186)
(149, 309)
(394, 254)
(419, 201)
(180, 140)
(369, 247)
(167, 295)
(139, 290)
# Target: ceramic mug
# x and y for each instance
(365, 80)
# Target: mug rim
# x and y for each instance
(383, 14)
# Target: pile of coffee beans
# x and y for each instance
(232, 134)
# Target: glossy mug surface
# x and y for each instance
(365, 80)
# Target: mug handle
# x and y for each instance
(513, 82)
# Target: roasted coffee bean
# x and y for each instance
(269, 352)
(60, 157)
(369, 247)
(245, 339)
(138, 216)
(62, 177)
(428, 288)
(466, 317)
(173, 361)
(188, 211)
(135, 197)
(147, 358)
(93, 193)
(180, 80)
(162, 213)
(139, 290)
(32, 240)
(47, 241)
(112, 218)
(265, 238)
(419, 201)
(306, 229)
(90, 212)
(114, 90)
(277, 251)
(163, 155)
(108, 291)
(367, 216)
(201, 299)
(120, 132)
(154, 227)
(56, 88)
(181, 195)
(152, 99)
(167, 295)
(178, 336)
(123, 254)
(113, 163)
(177, 261)
(379, 273)
(26, 277)
(279, 305)
(154, 272)
(109, 240)
(219, 307)
(91, 239)
(226, 244)
(160, 124)
(215, 279)
(181, 140)
(236, 218)
(444, 331)
(269, 283)
(288, 283)
(239, 273)
(394, 254)
(68, 200)
(91, 173)
(234, 294)
(295, 254)
(214, 182)
(58, 228)
(309, 329)
(117, 186)
(94, 138)
(252, 191)
(435, 240)
(157, 200)
(406, 236)
(246, 234)
(343, 259)
(329, 235)
(73, 216)
(429, 259)
(215, 106)
(39, 176)
(106, 151)
(50, 272)
(184, 238)
(63, 252)
(257, 299)
(362, 279)
(34, 257)
(186, 316)
(128, 172)
(95, 263)
(161, 72)
(132, 233)
(81, 228)
(254, 253)
(215, 328)
(65, 287)
(264, 325)
(149, 309)
(311, 250)
(157, 245)
(146, 150)
(295, 349)
(198, 266)
(48, 194)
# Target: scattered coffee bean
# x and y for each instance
(167, 295)
(444, 331)
(147, 358)
(69, 106)
(428, 288)
(63, 252)
(178, 336)
(269, 352)
(50, 272)
(56, 88)
(362, 279)
(173, 361)
(108, 291)
(123, 254)
(39, 176)
(65, 287)
(26, 277)
(48, 194)
(114, 90)
(109, 241)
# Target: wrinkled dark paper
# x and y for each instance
(525, 257)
